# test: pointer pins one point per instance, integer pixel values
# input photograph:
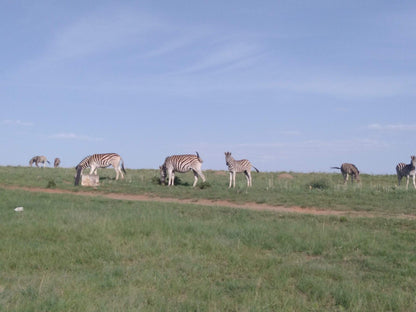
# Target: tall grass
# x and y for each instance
(70, 253)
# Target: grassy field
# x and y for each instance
(378, 193)
(72, 253)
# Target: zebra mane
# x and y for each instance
(84, 161)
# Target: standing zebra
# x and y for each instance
(235, 166)
(349, 170)
(404, 170)
(100, 161)
(181, 163)
(39, 160)
(56, 163)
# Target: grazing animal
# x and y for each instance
(181, 163)
(56, 163)
(100, 161)
(235, 166)
(408, 170)
(39, 160)
(349, 170)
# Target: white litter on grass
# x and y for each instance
(18, 209)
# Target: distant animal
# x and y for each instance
(100, 161)
(56, 163)
(349, 170)
(408, 170)
(235, 166)
(38, 160)
(182, 164)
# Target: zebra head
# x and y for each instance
(228, 157)
(162, 174)
(413, 162)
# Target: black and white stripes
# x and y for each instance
(100, 161)
(235, 166)
(38, 160)
(349, 170)
(408, 170)
(181, 163)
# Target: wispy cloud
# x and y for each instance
(392, 127)
(101, 32)
(220, 57)
(73, 136)
(16, 123)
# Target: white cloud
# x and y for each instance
(392, 127)
(17, 123)
(73, 136)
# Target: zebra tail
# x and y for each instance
(335, 167)
(256, 169)
(122, 166)
(199, 158)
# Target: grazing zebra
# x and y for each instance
(56, 163)
(181, 163)
(235, 166)
(100, 161)
(39, 160)
(404, 170)
(349, 170)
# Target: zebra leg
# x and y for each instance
(201, 175)
(248, 177)
(117, 174)
(231, 179)
(407, 182)
(171, 178)
(414, 183)
(195, 178)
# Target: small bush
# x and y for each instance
(319, 184)
(204, 185)
(156, 180)
(51, 184)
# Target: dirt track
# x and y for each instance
(217, 203)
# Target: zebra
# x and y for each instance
(56, 163)
(182, 164)
(235, 166)
(100, 161)
(38, 160)
(349, 170)
(404, 170)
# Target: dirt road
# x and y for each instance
(216, 203)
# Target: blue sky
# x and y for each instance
(291, 85)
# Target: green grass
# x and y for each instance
(71, 253)
(378, 193)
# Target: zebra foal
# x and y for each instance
(100, 161)
(235, 166)
(408, 170)
(349, 170)
(182, 164)
(38, 160)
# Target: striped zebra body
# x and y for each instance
(349, 170)
(235, 166)
(56, 163)
(182, 164)
(408, 170)
(100, 161)
(38, 160)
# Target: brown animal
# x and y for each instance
(56, 163)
